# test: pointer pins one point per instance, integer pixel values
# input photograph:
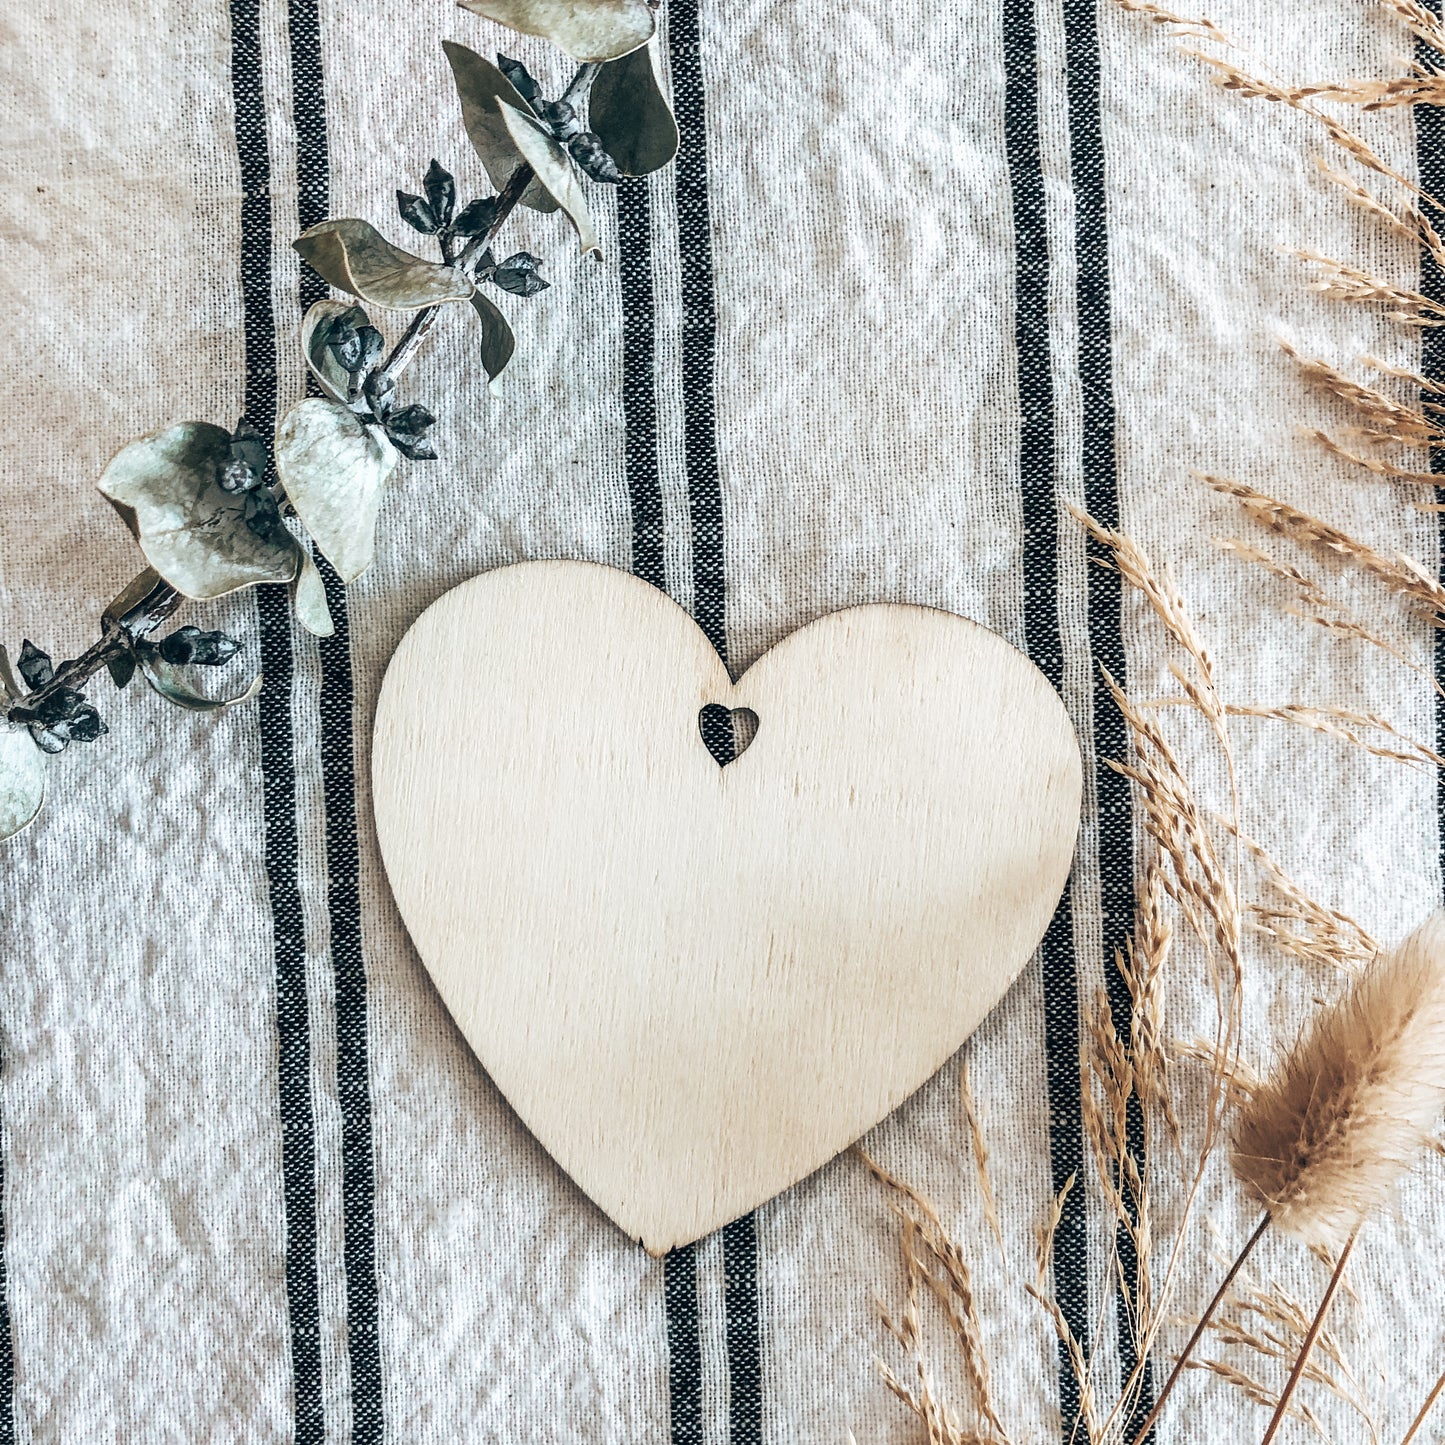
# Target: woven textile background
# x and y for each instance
(925, 272)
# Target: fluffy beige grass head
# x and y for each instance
(1323, 1141)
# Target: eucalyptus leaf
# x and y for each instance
(121, 669)
(354, 256)
(498, 343)
(554, 170)
(631, 116)
(308, 599)
(321, 324)
(195, 536)
(482, 89)
(22, 780)
(35, 667)
(585, 29)
(168, 681)
(334, 469)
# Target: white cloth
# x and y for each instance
(868, 435)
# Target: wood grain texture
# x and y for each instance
(696, 984)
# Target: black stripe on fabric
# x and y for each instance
(699, 324)
(353, 1053)
(684, 1346)
(308, 109)
(1430, 159)
(1045, 645)
(273, 615)
(1105, 602)
(639, 379)
(744, 1346)
(743, 1333)
(337, 707)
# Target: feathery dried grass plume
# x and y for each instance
(1232, 77)
(1324, 1140)
(1322, 1143)
(980, 1159)
(1342, 282)
(935, 1267)
(1314, 605)
(1379, 467)
(1401, 574)
(1303, 928)
(1351, 726)
(1200, 27)
(1126, 1068)
(1408, 222)
(1385, 1021)
(1382, 419)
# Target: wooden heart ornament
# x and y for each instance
(697, 983)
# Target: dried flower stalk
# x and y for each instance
(1430, 1399)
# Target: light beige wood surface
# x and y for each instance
(697, 984)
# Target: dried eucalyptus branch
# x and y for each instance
(216, 509)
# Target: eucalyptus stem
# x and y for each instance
(163, 600)
(581, 83)
(117, 638)
(120, 633)
(405, 350)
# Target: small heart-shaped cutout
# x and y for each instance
(697, 983)
(727, 731)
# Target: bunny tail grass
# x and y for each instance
(1324, 1140)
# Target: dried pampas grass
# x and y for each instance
(1323, 1141)
(1400, 574)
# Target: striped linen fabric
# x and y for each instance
(925, 274)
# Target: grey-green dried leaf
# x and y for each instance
(481, 88)
(308, 599)
(628, 111)
(334, 469)
(555, 170)
(22, 780)
(316, 330)
(172, 686)
(498, 343)
(354, 256)
(121, 669)
(194, 535)
(585, 29)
